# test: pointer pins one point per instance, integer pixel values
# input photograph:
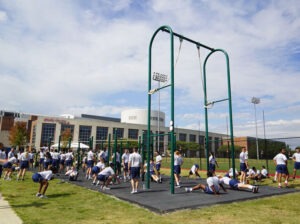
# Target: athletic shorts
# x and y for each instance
(207, 190)
(42, 160)
(135, 172)
(243, 167)
(125, 168)
(297, 165)
(95, 170)
(24, 164)
(212, 167)
(7, 165)
(90, 163)
(177, 169)
(234, 184)
(281, 169)
(62, 161)
(69, 162)
(157, 166)
(102, 177)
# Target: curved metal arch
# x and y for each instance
(168, 29)
(229, 106)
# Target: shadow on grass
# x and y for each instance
(36, 204)
(59, 195)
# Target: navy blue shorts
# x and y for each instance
(234, 184)
(177, 169)
(95, 170)
(135, 172)
(36, 177)
(69, 162)
(62, 161)
(125, 168)
(7, 165)
(281, 169)
(297, 165)
(243, 167)
(24, 164)
(207, 190)
(102, 178)
(90, 163)
(157, 166)
(212, 167)
(42, 160)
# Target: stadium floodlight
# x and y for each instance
(255, 101)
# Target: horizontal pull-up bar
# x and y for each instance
(190, 40)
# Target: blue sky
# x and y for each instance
(76, 57)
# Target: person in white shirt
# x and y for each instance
(158, 161)
(212, 162)
(194, 171)
(69, 159)
(90, 164)
(72, 173)
(296, 159)
(96, 169)
(42, 159)
(178, 161)
(125, 160)
(62, 161)
(244, 164)
(264, 172)
(24, 164)
(11, 153)
(9, 167)
(280, 160)
(106, 176)
(135, 166)
(237, 185)
(212, 187)
(43, 178)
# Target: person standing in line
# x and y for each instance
(90, 164)
(135, 165)
(178, 161)
(62, 161)
(244, 164)
(11, 153)
(69, 159)
(24, 164)
(296, 159)
(125, 160)
(280, 161)
(42, 159)
(158, 161)
(212, 162)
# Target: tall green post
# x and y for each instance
(78, 156)
(59, 140)
(115, 149)
(108, 148)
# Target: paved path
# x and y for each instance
(7, 214)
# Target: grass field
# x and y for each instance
(69, 203)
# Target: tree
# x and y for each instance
(18, 135)
(66, 135)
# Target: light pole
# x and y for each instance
(159, 78)
(255, 101)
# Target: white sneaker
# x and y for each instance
(132, 192)
(187, 189)
(38, 194)
(177, 186)
(105, 188)
(43, 196)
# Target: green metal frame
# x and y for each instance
(229, 106)
(171, 85)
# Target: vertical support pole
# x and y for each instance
(78, 156)
(108, 149)
(59, 140)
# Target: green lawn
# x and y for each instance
(69, 203)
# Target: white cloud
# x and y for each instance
(92, 57)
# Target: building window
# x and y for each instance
(85, 134)
(33, 137)
(101, 133)
(133, 133)
(182, 137)
(201, 139)
(192, 138)
(67, 126)
(48, 131)
(120, 132)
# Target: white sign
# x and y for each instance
(159, 77)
